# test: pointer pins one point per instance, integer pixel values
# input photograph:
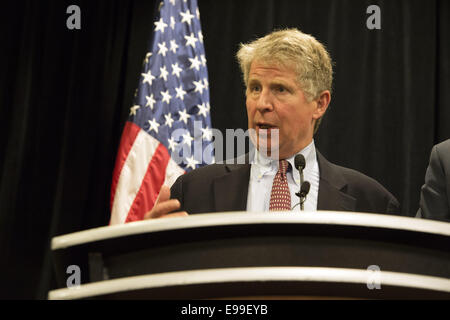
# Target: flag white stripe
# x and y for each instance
(132, 175)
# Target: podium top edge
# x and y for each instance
(244, 217)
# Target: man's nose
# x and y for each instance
(265, 101)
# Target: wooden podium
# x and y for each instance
(301, 255)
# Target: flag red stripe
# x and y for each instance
(151, 184)
(129, 135)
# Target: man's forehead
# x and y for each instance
(271, 64)
(272, 68)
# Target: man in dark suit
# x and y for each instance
(288, 77)
(435, 193)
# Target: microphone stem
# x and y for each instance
(301, 183)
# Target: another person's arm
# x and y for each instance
(433, 198)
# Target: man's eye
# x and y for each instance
(281, 89)
(255, 89)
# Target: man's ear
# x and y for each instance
(322, 104)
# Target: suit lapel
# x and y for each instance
(332, 188)
(231, 189)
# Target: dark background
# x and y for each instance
(65, 95)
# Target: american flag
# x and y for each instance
(169, 122)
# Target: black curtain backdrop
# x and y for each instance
(65, 96)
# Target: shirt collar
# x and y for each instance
(264, 165)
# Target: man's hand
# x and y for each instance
(164, 205)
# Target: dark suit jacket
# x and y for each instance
(224, 187)
(435, 193)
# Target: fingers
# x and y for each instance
(164, 205)
(163, 208)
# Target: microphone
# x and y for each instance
(300, 163)
(304, 189)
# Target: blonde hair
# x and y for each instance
(291, 47)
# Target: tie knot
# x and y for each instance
(283, 166)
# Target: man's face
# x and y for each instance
(276, 101)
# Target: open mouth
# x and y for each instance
(264, 126)
(266, 138)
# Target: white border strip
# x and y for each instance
(262, 274)
(236, 218)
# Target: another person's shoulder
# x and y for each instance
(442, 149)
(444, 145)
(440, 159)
(435, 194)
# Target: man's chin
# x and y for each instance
(267, 144)
(269, 151)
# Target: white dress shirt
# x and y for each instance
(263, 170)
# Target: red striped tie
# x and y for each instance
(280, 197)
